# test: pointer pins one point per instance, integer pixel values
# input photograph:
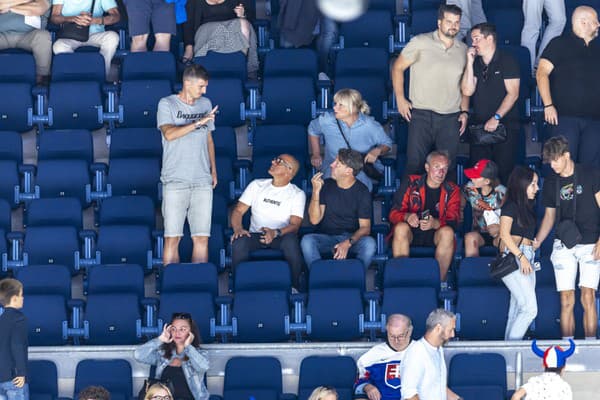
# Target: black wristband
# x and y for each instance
(464, 112)
(549, 105)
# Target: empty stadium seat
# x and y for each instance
(134, 176)
(17, 79)
(371, 29)
(290, 63)
(221, 65)
(341, 374)
(478, 376)
(258, 377)
(113, 375)
(228, 94)
(288, 100)
(135, 142)
(42, 378)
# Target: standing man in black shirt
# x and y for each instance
(342, 208)
(570, 89)
(572, 199)
(13, 342)
(492, 80)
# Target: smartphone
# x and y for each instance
(425, 214)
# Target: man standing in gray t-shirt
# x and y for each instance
(189, 172)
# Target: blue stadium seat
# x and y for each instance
(423, 19)
(9, 179)
(48, 291)
(224, 138)
(288, 99)
(139, 99)
(221, 65)
(113, 375)
(258, 377)
(78, 66)
(112, 310)
(63, 178)
(371, 29)
(127, 210)
(509, 23)
(124, 244)
(75, 105)
(135, 142)
(51, 245)
(477, 376)
(228, 94)
(42, 379)
(134, 176)
(340, 374)
(261, 305)
(155, 65)
(17, 78)
(290, 63)
(60, 211)
(372, 88)
(190, 288)
(358, 62)
(335, 302)
(546, 325)
(75, 144)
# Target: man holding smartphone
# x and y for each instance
(189, 172)
(426, 211)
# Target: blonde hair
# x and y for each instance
(320, 392)
(352, 100)
(152, 390)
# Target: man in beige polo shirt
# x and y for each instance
(436, 110)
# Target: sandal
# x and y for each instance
(187, 61)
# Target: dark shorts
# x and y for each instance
(422, 238)
(488, 240)
(142, 12)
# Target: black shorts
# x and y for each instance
(422, 238)
(488, 240)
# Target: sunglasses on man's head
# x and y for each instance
(182, 315)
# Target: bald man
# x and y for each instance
(379, 368)
(570, 89)
(277, 213)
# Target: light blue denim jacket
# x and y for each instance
(193, 369)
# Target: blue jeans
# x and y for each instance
(328, 36)
(9, 391)
(315, 244)
(523, 303)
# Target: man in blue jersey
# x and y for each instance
(379, 368)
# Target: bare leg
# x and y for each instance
(138, 43)
(473, 241)
(444, 249)
(401, 240)
(200, 252)
(163, 42)
(590, 315)
(171, 250)
(567, 320)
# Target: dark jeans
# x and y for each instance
(428, 130)
(584, 138)
(288, 244)
(503, 154)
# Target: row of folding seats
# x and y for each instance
(473, 375)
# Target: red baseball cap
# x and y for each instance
(483, 169)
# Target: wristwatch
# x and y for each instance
(351, 241)
(198, 125)
(497, 117)
(277, 232)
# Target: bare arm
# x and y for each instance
(512, 94)
(415, 397)
(469, 81)
(542, 76)
(294, 225)
(57, 18)
(6, 4)
(237, 214)
(112, 18)
(315, 151)
(400, 65)
(172, 132)
(211, 157)
(32, 8)
(519, 394)
(315, 209)
(450, 395)
(545, 226)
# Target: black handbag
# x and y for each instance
(477, 135)
(368, 168)
(504, 264)
(567, 231)
(70, 30)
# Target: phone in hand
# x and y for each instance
(425, 215)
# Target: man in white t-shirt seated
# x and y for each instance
(277, 212)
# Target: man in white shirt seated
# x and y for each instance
(424, 373)
(277, 213)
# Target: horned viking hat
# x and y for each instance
(554, 356)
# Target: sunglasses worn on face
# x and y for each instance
(158, 397)
(280, 161)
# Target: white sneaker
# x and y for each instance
(323, 76)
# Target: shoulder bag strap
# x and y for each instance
(343, 135)
(574, 193)
(92, 8)
(557, 219)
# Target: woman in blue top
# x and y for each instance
(349, 125)
(178, 358)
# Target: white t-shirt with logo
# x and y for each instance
(271, 206)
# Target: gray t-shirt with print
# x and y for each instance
(185, 159)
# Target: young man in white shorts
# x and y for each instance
(189, 172)
(572, 200)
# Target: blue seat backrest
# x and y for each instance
(475, 271)
(45, 279)
(11, 146)
(56, 211)
(348, 273)
(155, 65)
(290, 63)
(259, 377)
(262, 275)
(405, 272)
(128, 210)
(73, 144)
(17, 68)
(340, 374)
(68, 67)
(477, 369)
(135, 142)
(114, 375)
(121, 278)
(220, 65)
(189, 278)
(43, 380)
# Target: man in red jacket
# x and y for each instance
(426, 211)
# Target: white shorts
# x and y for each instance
(191, 201)
(566, 261)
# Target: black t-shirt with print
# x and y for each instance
(518, 228)
(588, 213)
(432, 201)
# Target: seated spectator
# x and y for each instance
(426, 211)
(79, 12)
(379, 368)
(323, 393)
(348, 126)
(177, 356)
(486, 196)
(220, 26)
(93, 393)
(277, 213)
(23, 26)
(158, 391)
(341, 207)
(160, 13)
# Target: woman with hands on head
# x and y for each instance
(517, 234)
(177, 356)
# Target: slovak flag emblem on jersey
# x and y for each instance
(392, 375)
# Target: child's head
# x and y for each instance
(11, 293)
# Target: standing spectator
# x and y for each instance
(426, 211)
(160, 13)
(13, 342)
(189, 172)
(566, 79)
(221, 26)
(342, 208)
(485, 194)
(177, 356)
(472, 14)
(277, 213)
(79, 12)
(348, 126)
(23, 26)
(379, 368)
(572, 196)
(93, 393)
(532, 10)
(517, 231)
(424, 373)
(550, 385)
(436, 112)
(492, 79)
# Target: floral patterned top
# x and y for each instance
(548, 386)
(480, 203)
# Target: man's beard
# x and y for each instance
(449, 35)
